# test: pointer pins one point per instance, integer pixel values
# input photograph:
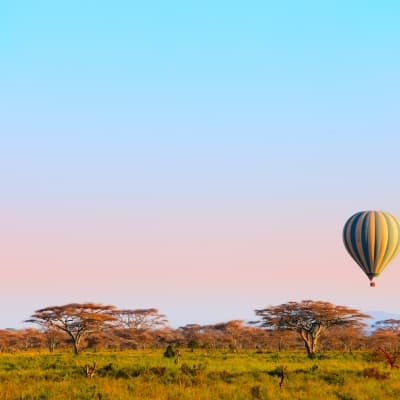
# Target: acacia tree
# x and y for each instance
(54, 337)
(141, 319)
(344, 339)
(386, 334)
(389, 325)
(77, 320)
(309, 319)
(233, 333)
(191, 335)
(136, 326)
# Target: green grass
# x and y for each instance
(200, 375)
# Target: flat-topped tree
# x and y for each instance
(77, 320)
(310, 319)
(389, 325)
(233, 332)
(141, 319)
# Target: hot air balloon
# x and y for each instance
(372, 239)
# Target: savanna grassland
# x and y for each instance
(202, 374)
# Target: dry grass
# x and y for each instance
(200, 375)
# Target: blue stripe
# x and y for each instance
(353, 239)
(364, 243)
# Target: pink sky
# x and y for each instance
(195, 268)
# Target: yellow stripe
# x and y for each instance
(393, 234)
(382, 232)
(371, 238)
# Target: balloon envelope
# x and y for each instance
(372, 239)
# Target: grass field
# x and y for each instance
(199, 375)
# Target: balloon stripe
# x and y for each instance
(348, 242)
(359, 240)
(364, 241)
(348, 239)
(389, 246)
(378, 236)
(371, 238)
(392, 242)
(383, 236)
(353, 238)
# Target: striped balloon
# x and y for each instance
(372, 239)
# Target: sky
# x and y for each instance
(199, 157)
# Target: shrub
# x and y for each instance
(158, 371)
(375, 373)
(169, 352)
(333, 379)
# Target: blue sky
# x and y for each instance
(194, 111)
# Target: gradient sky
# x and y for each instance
(200, 157)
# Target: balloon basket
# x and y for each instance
(372, 284)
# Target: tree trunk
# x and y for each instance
(76, 348)
(75, 341)
(309, 348)
(310, 342)
(280, 344)
(51, 344)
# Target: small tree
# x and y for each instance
(233, 333)
(388, 325)
(141, 319)
(191, 335)
(136, 326)
(77, 320)
(54, 337)
(386, 335)
(309, 319)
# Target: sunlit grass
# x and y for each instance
(200, 375)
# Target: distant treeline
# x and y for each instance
(233, 335)
(94, 326)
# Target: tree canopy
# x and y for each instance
(309, 319)
(75, 319)
(141, 319)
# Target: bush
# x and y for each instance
(169, 352)
(375, 373)
(333, 379)
(112, 371)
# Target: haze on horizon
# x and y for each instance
(200, 158)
